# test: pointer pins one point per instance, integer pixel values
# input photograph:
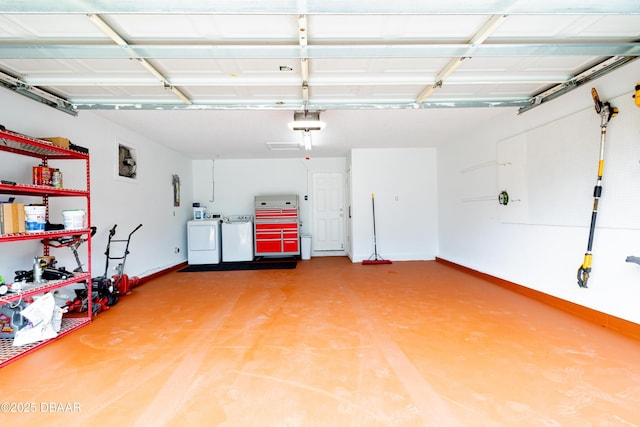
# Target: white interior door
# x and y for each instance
(328, 212)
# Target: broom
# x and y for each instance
(374, 258)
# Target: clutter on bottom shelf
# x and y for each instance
(11, 319)
(44, 321)
(30, 319)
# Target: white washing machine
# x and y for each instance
(203, 241)
(237, 238)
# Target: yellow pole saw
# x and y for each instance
(606, 113)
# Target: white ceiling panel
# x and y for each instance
(375, 70)
(47, 26)
(282, 56)
(223, 28)
(485, 67)
(570, 27)
(267, 69)
(96, 68)
(243, 93)
(615, 26)
(393, 27)
(487, 91)
(117, 93)
(366, 93)
(515, 7)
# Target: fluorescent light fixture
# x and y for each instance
(306, 121)
(306, 138)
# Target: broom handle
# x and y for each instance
(373, 209)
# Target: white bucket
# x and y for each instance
(35, 218)
(73, 219)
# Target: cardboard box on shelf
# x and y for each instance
(19, 225)
(12, 219)
(58, 141)
(6, 218)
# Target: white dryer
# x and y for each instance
(203, 241)
(237, 238)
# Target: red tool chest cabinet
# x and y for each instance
(276, 229)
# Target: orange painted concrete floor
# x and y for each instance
(330, 343)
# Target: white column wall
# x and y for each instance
(404, 184)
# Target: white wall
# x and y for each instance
(404, 184)
(113, 201)
(238, 181)
(547, 159)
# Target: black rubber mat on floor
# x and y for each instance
(245, 265)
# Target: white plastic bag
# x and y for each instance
(44, 318)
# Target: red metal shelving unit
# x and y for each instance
(44, 151)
